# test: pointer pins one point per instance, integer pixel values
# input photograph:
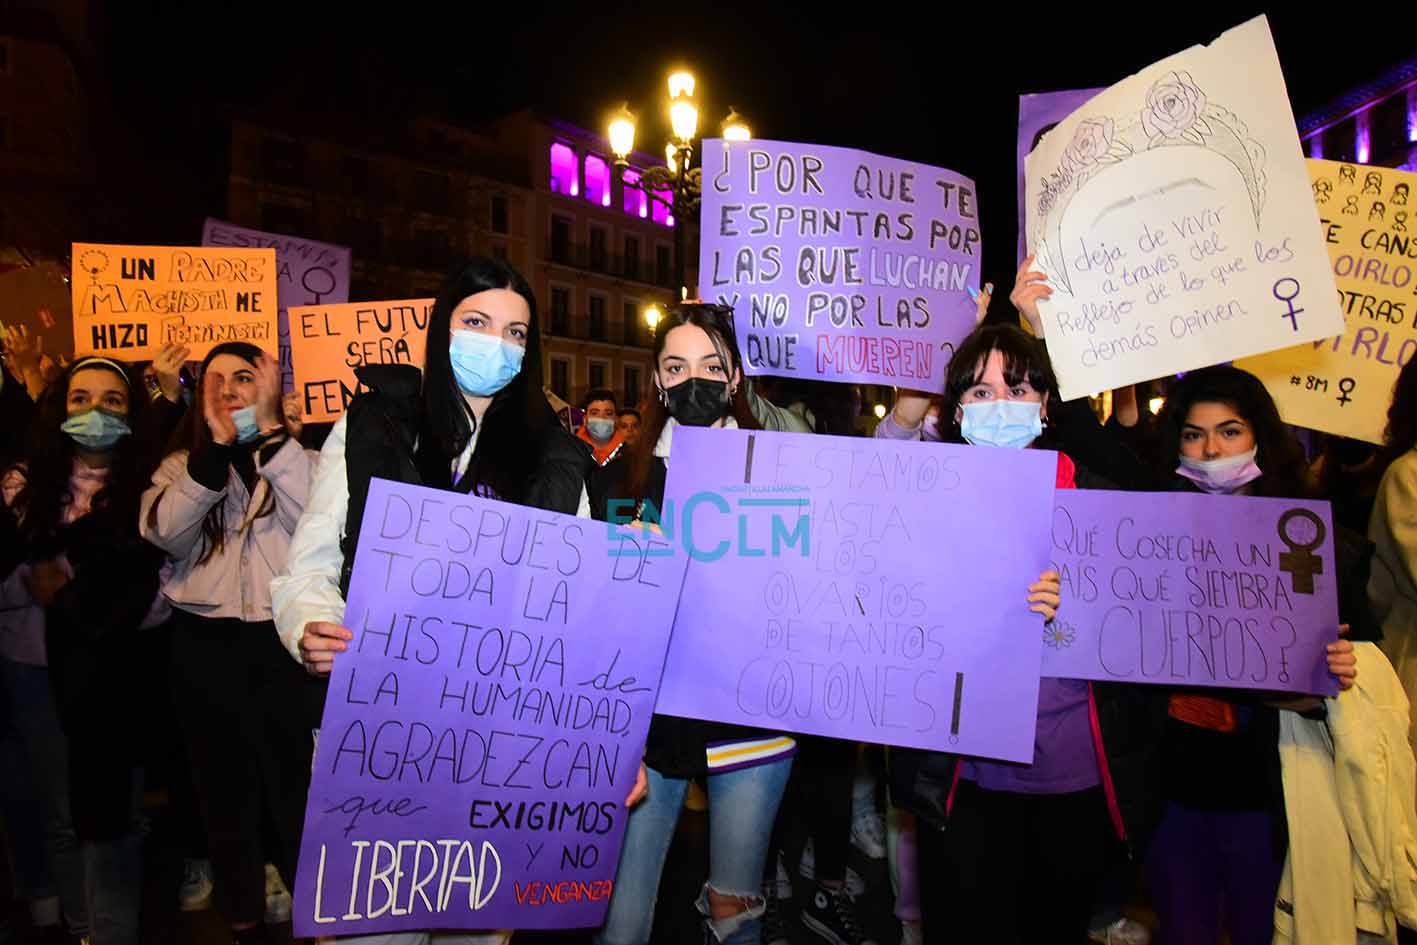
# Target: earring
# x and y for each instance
(663, 397)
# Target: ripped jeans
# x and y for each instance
(742, 807)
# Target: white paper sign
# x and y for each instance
(1174, 218)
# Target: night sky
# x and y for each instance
(930, 86)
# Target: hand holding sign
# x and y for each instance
(319, 644)
(1030, 286)
(167, 367)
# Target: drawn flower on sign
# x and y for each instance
(1059, 634)
(1090, 144)
(1175, 110)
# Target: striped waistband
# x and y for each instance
(730, 756)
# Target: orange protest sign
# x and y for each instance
(327, 342)
(131, 300)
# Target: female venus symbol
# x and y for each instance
(1299, 562)
(1346, 387)
(318, 294)
(1293, 313)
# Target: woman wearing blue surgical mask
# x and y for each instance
(1218, 851)
(1011, 852)
(72, 657)
(474, 420)
(223, 505)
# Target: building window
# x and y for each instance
(561, 239)
(632, 257)
(1341, 141)
(597, 248)
(663, 271)
(563, 170)
(598, 372)
(597, 180)
(632, 385)
(283, 162)
(432, 192)
(597, 318)
(1388, 130)
(636, 202)
(560, 310)
(499, 213)
(660, 211)
(279, 218)
(630, 312)
(432, 249)
(561, 378)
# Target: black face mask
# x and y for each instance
(698, 402)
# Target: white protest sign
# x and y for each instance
(1174, 218)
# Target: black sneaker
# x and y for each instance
(831, 916)
(774, 930)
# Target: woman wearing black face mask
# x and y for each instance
(68, 619)
(699, 383)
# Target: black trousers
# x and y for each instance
(247, 710)
(1014, 869)
(817, 804)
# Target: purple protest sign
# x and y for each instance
(1037, 114)
(1193, 590)
(484, 728)
(839, 264)
(310, 273)
(860, 589)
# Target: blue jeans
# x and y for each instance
(742, 807)
(46, 753)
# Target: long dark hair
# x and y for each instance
(193, 435)
(1284, 474)
(509, 443)
(717, 323)
(1401, 433)
(1025, 359)
(49, 464)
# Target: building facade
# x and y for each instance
(1375, 123)
(541, 194)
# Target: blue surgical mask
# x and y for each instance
(96, 430)
(246, 427)
(1013, 423)
(600, 430)
(1224, 476)
(483, 364)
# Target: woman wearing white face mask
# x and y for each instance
(1009, 852)
(473, 421)
(1219, 849)
(69, 650)
(223, 505)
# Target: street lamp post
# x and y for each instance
(677, 177)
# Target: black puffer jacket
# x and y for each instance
(381, 440)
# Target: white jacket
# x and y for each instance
(1351, 803)
(308, 589)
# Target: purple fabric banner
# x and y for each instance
(310, 273)
(839, 264)
(486, 725)
(1037, 114)
(1193, 590)
(860, 589)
